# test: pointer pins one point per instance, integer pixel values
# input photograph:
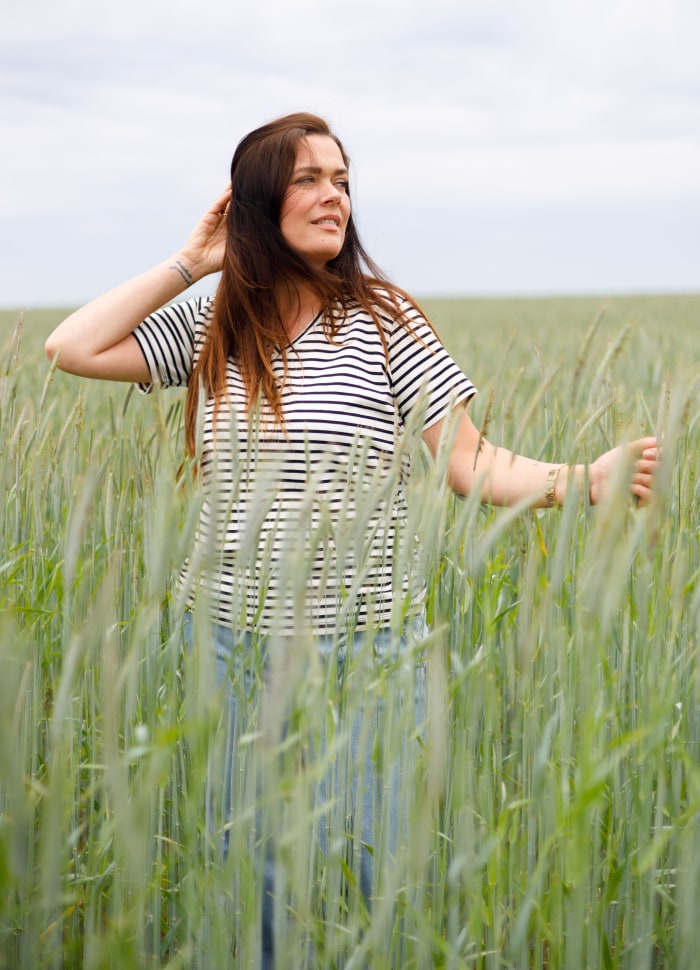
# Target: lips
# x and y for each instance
(333, 222)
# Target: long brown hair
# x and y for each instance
(259, 264)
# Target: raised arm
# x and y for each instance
(96, 341)
(505, 478)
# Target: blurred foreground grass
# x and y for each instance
(557, 791)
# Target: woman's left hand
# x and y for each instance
(644, 455)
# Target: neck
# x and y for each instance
(297, 310)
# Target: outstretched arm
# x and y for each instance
(97, 341)
(504, 478)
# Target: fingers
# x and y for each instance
(642, 485)
(642, 494)
(642, 457)
(643, 445)
(220, 207)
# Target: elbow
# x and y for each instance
(461, 488)
(56, 353)
(61, 347)
(51, 348)
(58, 343)
(459, 481)
(465, 481)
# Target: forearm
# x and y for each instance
(497, 474)
(105, 322)
(504, 478)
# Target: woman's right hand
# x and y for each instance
(203, 253)
(97, 341)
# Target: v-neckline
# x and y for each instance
(305, 330)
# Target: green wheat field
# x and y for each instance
(555, 792)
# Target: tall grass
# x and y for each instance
(555, 792)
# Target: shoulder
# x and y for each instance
(186, 315)
(405, 322)
(199, 309)
(393, 310)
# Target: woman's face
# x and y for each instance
(316, 206)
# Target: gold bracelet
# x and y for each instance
(549, 489)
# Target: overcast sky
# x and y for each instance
(535, 147)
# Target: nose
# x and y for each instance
(332, 194)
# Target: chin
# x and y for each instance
(322, 259)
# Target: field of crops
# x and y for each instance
(556, 789)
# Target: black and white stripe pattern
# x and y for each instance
(303, 527)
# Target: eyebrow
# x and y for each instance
(317, 170)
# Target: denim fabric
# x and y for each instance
(370, 805)
(254, 676)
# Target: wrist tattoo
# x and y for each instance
(183, 271)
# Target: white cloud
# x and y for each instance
(128, 114)
(542, 173)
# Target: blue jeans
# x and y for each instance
(359, 790)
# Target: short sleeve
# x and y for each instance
(421, 369)
(168, 338)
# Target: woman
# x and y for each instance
(303, 373)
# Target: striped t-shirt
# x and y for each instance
(303, 528)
